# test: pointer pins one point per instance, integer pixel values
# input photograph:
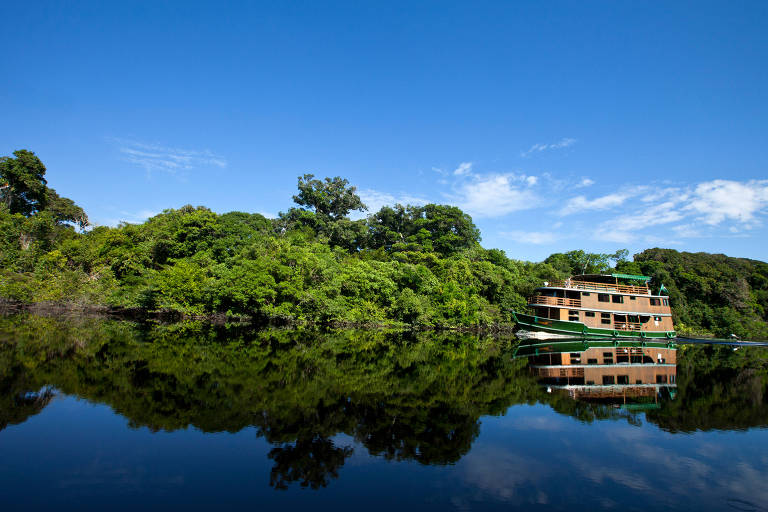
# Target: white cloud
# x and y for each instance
(154, 157)
(506, 475)
(663, 213)
(719, 200)
(530, 237)
(690, 212)
(137, 217)
(495, 195)
(538, 148)
(629, 227)
(463, 168)
(687, 231)
(581, 203)
(585, 182)
(375, 200)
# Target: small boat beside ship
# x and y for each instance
(598, 305)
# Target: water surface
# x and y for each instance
(98, 414)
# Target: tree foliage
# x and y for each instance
(418, 265)
(710, 293)
(23, 182)
(330, 199)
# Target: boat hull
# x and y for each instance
(537, 324)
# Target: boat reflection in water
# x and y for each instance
(633, 374)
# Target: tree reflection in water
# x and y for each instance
(402, 396)
(308, 461)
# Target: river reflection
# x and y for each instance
(480, 414)
(636, 375)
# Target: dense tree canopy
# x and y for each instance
(419, 265)
(581, 262)
(710, 293)
(433, 227)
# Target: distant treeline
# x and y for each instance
(416, 265)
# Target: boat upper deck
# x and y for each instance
(600, 287)
(611, 283)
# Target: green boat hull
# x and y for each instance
(578, 329)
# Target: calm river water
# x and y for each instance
(111, 415)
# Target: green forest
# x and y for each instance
(405, 265)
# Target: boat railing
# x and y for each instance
(545, 371)
(627, 326)
(605, 287)
(555, 301)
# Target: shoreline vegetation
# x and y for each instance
(412, 267)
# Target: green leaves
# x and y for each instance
(712, 292)
(331, 199)
(419, 265)
(23, 182)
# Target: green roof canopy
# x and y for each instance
(632, 276)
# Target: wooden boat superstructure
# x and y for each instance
(612, 305)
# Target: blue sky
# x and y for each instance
(557, 125)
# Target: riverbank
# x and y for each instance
(63, 309)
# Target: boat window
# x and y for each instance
(605, 318)
(644, 319)
(607, 357)
(666, 302)
(608, 379)
(590, 383)
(585, 294)
(672, 379)
(573, 316)
(655, 302)
(603, 297)
(590, 314)
(638, 381)
(618, 299)
(592, 361)
(661, 379)
(622, 379)
(632, 297)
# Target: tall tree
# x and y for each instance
(64, 209)
(23, 183)
(331, 198)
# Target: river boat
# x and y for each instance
(598, 305)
